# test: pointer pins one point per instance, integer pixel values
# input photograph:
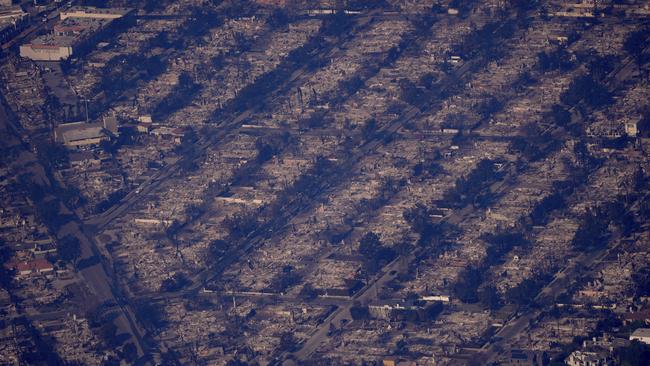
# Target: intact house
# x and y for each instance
(34, 266)
(642, 335)
(82, 134)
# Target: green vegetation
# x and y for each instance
(636, 43)
(636, 354)
(175, 282)
(151, 315)
(375, 254)
(288, 278)
(593, 232)
(6, 275)
(475, 187)
(525, 292)
(589, 90)
(181, 95)
(466, 288)
(559, 59)
(240, 225)
(69, 249)
(502, 243)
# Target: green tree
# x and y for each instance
(69, 248)
(524, 293)
(218, 248)
(359, 312)
(593, 231)
(560, 115)
(466, 288)
(6, 275)
(375, 254)
(635, 43)
(129, 352)
(369, 245)
(594, 93)
(636, 354)
(151, 315)
(308, 292)
(489, 297)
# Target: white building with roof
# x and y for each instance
(642, 335)
(96, 13)
(77, 31)
(81, 134)
(584, 358)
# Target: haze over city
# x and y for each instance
(325, 182)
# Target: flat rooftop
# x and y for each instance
(50, 40)
(76, 131)
(91, 11)
(6, 23)
(12, 12)
(81, 24)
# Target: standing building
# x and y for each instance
(91, 12)
(77, 31)
(642, 335)
(12, 20)
(586, 358)
(82, 134)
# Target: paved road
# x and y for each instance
(94, 224)
(392, 269)
(33, 29)
(342, 316)
(95, 276)
(343, 313)
(563, 279)
(348, 165)
(225, 129)
(388, 273)
(279, 298)
(583, 265)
